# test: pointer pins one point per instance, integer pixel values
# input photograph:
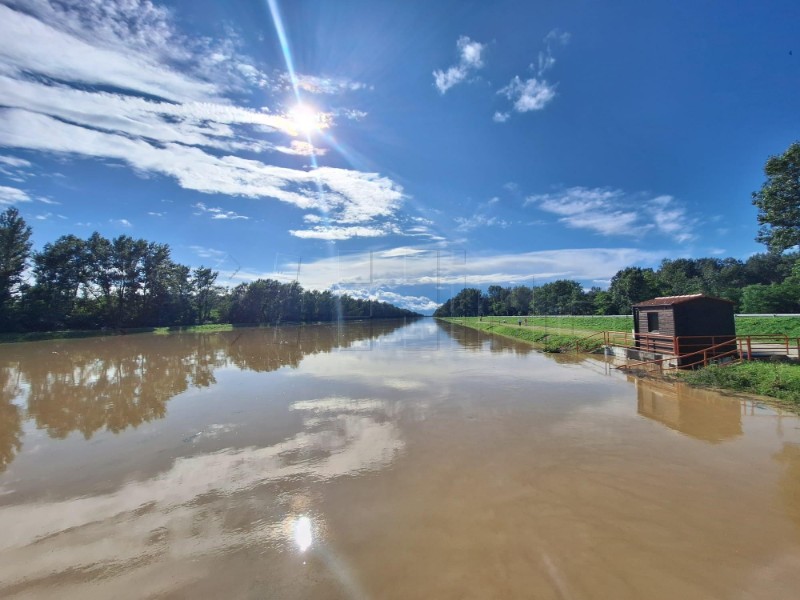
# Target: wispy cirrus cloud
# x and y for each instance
(325, 85)
(12, 195)
(116, 80)
(533, 93)
(299, 148)
(470, 59)
(217, 213)
(14, 162)
(610, 212)
(337, 232)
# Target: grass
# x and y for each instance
(777, 380)
(789, 326)
(35, 336)
(550, 339)
(773, 379)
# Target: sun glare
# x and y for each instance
(305, 119)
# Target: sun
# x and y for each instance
(306, 119)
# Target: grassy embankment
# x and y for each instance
(35, 336)
(561, 334)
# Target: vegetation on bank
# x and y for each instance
(124, 283)
(576, 325)
(548, 340)
(774, 379)
(779, 380)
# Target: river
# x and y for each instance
(381, 460)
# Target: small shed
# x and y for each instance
(681, 325)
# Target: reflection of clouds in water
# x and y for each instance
(339, 403)
(211, 432)
(403, 384)
(174, 510)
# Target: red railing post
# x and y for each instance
(749, 349)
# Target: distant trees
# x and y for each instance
(765, 283)
(90, 283)
(778, 201)
(15, 248)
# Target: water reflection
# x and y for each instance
(117, 383)
(475, 340)
(209, 498)
(790, 482)
(701, 414)
(10, 418)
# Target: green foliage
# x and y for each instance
(789, 326)
(632, 285)
(778, 201)
(777, 380)
(548, 341)
(15, 247)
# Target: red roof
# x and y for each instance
(670, 300)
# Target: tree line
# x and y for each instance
(93, 283)
(764, 283)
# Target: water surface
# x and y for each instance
(382, 460)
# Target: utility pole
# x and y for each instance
(370, 284)
(465, 285)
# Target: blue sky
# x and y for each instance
(546, 139)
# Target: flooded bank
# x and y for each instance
(382, 460)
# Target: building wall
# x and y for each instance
(702, 322)
(666, 320)
(704, 316)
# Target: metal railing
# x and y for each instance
(704, 357)
(703, 349)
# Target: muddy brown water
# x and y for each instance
(384, 460)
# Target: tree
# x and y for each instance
(15, 248)
(632, 285)
(204, 289)
(61, 268)
(778, 201)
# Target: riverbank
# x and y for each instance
(548, 339)
(35, 336)
(778, 381)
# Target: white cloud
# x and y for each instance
(352, 114)
(11, 195)
(218, 213)
(13, 161)
(402, 251)
(394, 271)
(670, 219)
(533, 93)
(56, 58)
(156, 214)
(299, 148)
(613, 212)
(326, 85)
(546, 60)
(420, 304)
(121, 222)
(348, 196)
(33, 45)
(528, 95)
(479, 220)
(333, 232)
(470, 60)
(203, 252)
